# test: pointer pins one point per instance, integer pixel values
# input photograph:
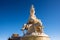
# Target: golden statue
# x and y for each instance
(33, 24)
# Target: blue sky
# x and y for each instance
(14, 13)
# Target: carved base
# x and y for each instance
(36, 37)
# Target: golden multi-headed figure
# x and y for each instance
(33, 24)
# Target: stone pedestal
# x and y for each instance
(36, 37)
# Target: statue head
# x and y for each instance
(32, 10)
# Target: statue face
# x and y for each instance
(32, 11)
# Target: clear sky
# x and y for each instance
(14, 13)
